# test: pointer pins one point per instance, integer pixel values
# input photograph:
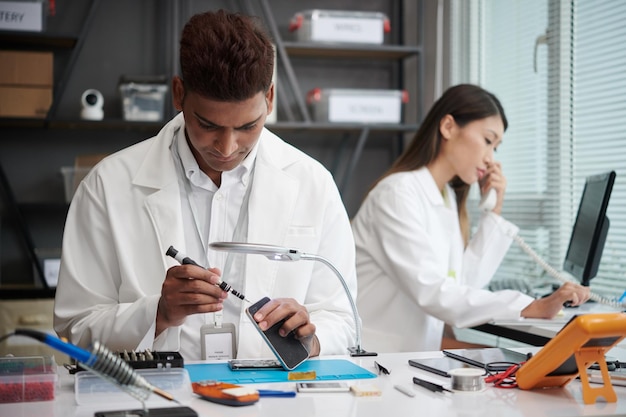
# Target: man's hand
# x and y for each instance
(188, 289)
(296, 320)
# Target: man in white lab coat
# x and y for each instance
(213, 173)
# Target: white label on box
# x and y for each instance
(366, 109)
(21, 15)
(341, 29)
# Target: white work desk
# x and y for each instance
(491, 401)
(538, 332)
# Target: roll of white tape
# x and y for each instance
(467, 379)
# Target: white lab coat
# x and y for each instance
(413, 272)
(127, 212)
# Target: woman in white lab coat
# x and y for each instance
(417, 266)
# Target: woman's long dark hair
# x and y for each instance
(465, 103)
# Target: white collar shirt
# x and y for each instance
(211, 213)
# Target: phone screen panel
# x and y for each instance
(322, 387)
(288, 350)
(492, 359)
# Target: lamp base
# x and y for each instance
(357, 351)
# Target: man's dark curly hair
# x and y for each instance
(226, 56)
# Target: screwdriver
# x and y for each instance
(430, 385)
(185, 260)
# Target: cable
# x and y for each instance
(556, 274)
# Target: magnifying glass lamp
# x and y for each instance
(280, 253)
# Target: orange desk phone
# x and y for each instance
(582, 342)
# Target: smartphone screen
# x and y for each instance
(492, 359)
(322, 387)
(288, 350)
(439, 366)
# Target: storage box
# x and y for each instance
(27, 378)
(23, 15)
(143, 99)
(90, 389)
(26, 80)
(356, 105)
(50, 262)
(339, 26)
(72, 176)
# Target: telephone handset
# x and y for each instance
(488, 201)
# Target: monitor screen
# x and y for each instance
(590, 228)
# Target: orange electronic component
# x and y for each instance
(224, 393)
(301, 376)
(582, 342)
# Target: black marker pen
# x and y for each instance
(185, 260)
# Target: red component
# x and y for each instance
(15, 392)
(387, 26)
(296, 22)
(314, 95)
(405, 96)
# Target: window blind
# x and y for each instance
(557, 67)
(598, 86)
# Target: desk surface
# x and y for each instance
(538, 332)
(491, 401)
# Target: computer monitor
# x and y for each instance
(590, 228)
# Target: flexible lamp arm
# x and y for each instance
(357, 325)
(280, 253)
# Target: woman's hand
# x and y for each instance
(548, 307)
(494, 178)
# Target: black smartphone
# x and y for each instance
(491, 359)
(153, 412)
(289, 351)
(439, 366)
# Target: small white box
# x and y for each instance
(339, 26)
(50, 261)
(22, 15)
(143, 99)
(341, 105)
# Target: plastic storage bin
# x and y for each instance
(27, 378)
(72, 176)
(344, 105)
(339, 26)
(89, 388)
(143, 99)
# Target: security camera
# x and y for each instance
(92, 102)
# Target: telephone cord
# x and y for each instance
(556, 274)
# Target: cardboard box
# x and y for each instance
(339, 26)
(25, 102)
(26, 82)
(345, 105)
(26, 68)
(23, 15)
